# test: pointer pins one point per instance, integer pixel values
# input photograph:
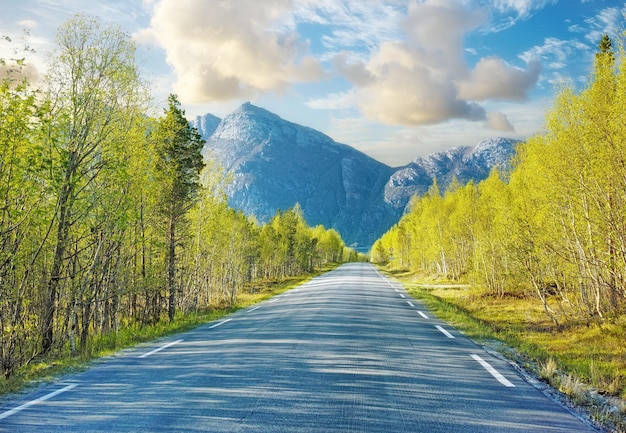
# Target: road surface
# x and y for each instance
(348, 351)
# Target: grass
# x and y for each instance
(48, 368)
(587, 362)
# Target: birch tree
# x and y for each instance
(95, 95)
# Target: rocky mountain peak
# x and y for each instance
(276, 164)
(207, 124)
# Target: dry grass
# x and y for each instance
(548, 370)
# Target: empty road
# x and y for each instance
(348, 351)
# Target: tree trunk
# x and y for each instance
(171, 268)
(64, 205)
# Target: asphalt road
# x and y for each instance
(349, 351)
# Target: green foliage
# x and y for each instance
(179, 160)
(288, 246)
(111, 222)
(554, 228)
(178, 164)
(22, 206)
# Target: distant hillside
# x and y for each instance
(276, 164)
(464, 162)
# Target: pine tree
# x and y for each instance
(179, 163)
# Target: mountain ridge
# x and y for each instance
(275, 164)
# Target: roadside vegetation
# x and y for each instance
(541, 247)
(114, 228)
(49, 367)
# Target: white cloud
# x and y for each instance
(334, 101)
(405, 59)
(408, 90)
(498, 122)
(493, 78)
(352, 24)
(28, 24)
(558, 56)
(523, 8)
(606, 22)
(554, 50)
(425, 79)
(230, 50)
(513, 11)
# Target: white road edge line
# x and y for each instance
(444, 332)
(423, 315)
(503, 380)
(410, 303)
(219, 323)
(253, 309)
(158, 349)
(34, 402)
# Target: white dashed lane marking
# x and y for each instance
(158, 349)
(34, 402)
(444, 332)
(503, 380)
(219, 323)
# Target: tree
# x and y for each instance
(179, 163)
(95, 95)
(22, 208)
(569, 193)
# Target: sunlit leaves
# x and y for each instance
(556, 229)
(109, 218)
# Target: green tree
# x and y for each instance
(179, 163)
(493, 231)
(570, 186)
(95, 95)
(23, 202)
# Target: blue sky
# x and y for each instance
(395, 79)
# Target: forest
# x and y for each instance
(553, 226)
(112, 218)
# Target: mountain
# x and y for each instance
(206, 125)
(464, 163)
(275, 164)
